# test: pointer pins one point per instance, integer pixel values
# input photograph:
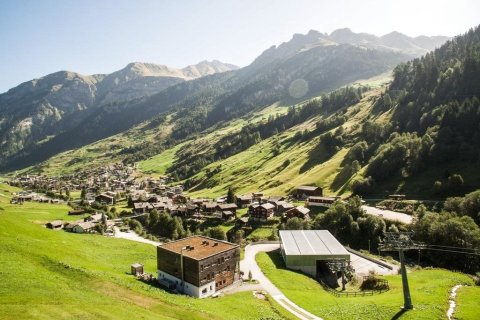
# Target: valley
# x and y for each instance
(152, 192)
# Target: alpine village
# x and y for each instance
(337, 176)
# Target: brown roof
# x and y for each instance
(227, 206)
(203, 247)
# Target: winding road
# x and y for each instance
(249, 264)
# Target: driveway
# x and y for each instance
(388, 214)
(249, 264)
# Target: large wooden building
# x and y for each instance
(198, 266)
(303, 192)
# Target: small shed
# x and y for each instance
(55, 225)
(137, 269)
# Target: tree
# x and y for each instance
(239, 235)
(455, 182)
(216, 233)
(294, 224)
(130, 202)
(83, 194)
(274, 234)
(230, 195)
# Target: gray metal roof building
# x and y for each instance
(303, 249)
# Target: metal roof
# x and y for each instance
(311, 242)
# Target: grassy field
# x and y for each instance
(54, 274)
(429, 289)
(467, 307)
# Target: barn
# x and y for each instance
(309, 250)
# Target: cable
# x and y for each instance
(451, 247)
(453, 251)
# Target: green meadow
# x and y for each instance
(54, 274)
(430, 290)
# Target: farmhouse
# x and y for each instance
(302, 192)
(261, 212)
(105, 199)
(244, 201)
(320, 201)
(198, 266)
(297, 212)
(83, 227)
(55, 225)
(309, 250)
(232, 207)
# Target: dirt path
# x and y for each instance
(452, 302)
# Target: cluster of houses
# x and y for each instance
(27, 196)
(114, 178)
(85, 225)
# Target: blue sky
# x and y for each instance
(38, 37)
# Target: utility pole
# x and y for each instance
(401, 241)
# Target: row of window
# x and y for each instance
(212, 275)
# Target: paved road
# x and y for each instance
(388, 214)
(363, 266)
(249, 264)
(134, 237)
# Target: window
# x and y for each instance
(228, 268)
(204, 291)
(201, 267)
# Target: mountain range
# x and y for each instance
(66, 110)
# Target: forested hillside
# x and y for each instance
(436, 112)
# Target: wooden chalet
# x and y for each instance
(209, 207)
(105, 198)
(297, 212)
(55, 225)
(243, 201)
(142, 207)
(321, 201)
(227, 207)
(83, 227)
(303, 192)
(262, 212)
(198, 266)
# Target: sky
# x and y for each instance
(38, 37)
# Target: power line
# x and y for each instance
(451, 247)
(453, 251)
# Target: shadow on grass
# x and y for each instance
(316, 156)
(342, 177)
(399, 314)
(277, 259)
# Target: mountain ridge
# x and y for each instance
(107, 104)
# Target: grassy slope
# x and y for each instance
(467, 303)
(259, 169)
(429, 290)
(53, 274)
